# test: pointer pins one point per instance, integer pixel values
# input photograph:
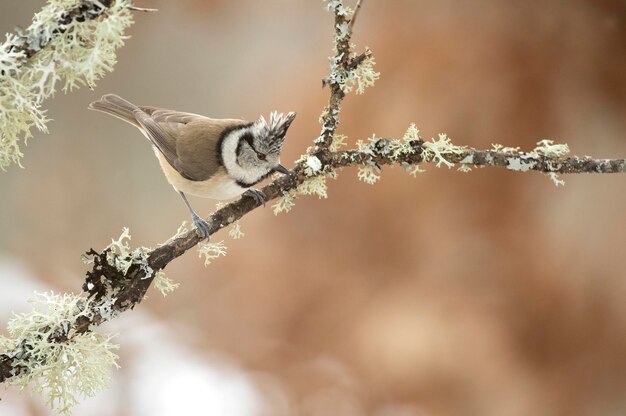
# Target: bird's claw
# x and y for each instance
(258, 196)
(202, 227)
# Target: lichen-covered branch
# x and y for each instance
(518, 161)
(343, 70)
(68, 41)
(42, 32)
(120, 277)
(112, 291)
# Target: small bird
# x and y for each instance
(207, 157)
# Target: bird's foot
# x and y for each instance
(201, 226)
(258, 196)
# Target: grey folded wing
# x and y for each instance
(195, 140)
(195, 160)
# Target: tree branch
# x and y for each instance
(357, 8)
(74, 42)
(338, 73)
(35, 38)
(114, 292)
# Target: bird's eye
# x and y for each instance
(261, 156)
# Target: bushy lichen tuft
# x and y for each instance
(368, 175)
(436, 150)
(285, 203)
(556, 180)
(120, 256)
(211, 251)
(164, 284)
(76, 53)
(314, 186)
(412, 170)
(51, 357)
(550, 149)
(362, 77)
(502, 149)
(338, 141)
(235, 231)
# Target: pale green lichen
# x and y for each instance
(211, 251)
(343, 31)
(554, 177)
(411, 134)
(164, 284)
(550, 149)
(338, 141)
(78, 53)
(182, 230)
(502, 149)
(317, 173)
(392, 148)
(413, 170)
(362, 77)
(368, 175)
(120, 256)
(437, 150)
(314, 186)
(285, 203)
(364, 147)
(61, 371)
(522, 162)
(339, 7)
(398, 148)
(235, 231)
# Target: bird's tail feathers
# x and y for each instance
(116, 106)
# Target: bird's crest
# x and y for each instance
(275, 130)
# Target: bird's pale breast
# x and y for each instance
(220, 186)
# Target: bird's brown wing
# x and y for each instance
(139, 117)
(197, 146)
(196, 139)
(189, 142)
(164, 127)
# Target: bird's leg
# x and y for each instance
(201, 225)
(258, 196)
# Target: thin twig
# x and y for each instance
(130, 288)
(31, 42)
(142, 9)
(134, 285)
(355, 14)
(339, 64)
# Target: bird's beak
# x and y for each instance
(280, 168)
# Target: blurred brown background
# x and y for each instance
(489, 293)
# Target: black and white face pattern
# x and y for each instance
(251, 152)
